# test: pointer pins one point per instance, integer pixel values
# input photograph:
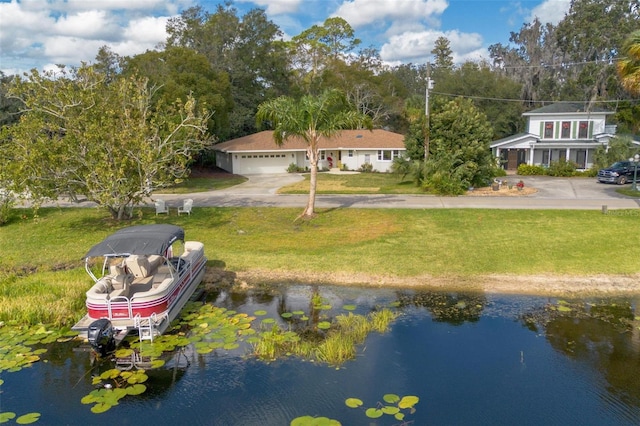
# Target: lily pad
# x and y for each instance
(28, 418)
(390, 409)
(373, 413)
(314, 421)
(408, 401)
(353, 402)
(324, 325)
(391, 398)
(136, 389)
(101, 408)
(6, 416)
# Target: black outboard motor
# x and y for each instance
(101, 336)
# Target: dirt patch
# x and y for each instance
(504, 191)
(539, 285)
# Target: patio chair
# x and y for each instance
(186, 207)
(161, 207)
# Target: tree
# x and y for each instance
(319, 48)
(80, 137)
(246, 48)
(310, 119)
(442, 53)
(178, 73)
(629, 66)
(460, 155)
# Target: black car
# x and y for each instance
(620, 172)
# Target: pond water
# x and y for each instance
(471, 359)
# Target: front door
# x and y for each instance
(512, 159)
(581, 158)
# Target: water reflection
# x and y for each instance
(602, 335)
(452, 308)
(471, 358)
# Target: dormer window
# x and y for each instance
(583, 130)
(548, 130)
(566, 130)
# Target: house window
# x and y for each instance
(548, 130)
(566, 130)
(388, 154)
(350, 153)
(583, 130)
(322, 155)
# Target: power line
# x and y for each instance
(558, 65)
(531, 101)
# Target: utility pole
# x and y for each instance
(426, 110)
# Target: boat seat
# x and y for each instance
(143, 266)
(121, 285)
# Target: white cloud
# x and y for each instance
(87, 24)
(36, 33)
(417, 46)
(550, 11)
(359, 13)
(149, 31)
(276, 7)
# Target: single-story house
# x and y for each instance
(350, 149)
(566, 131)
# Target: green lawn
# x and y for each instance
(41, 275)
(204, 184)
(358, 183)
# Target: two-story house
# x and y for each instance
(554, 132)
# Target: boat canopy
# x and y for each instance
(140, 239)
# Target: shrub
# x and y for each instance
(293, 168)
(444, 184)
(592, 172)
(527, 170)
(366, 168)
(498, 172)
(562, 168)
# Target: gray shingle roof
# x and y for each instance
(566, 108)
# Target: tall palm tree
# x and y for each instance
(629, 66)
(310, 118)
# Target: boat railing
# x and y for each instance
(120, 300)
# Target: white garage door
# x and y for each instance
(247, 164)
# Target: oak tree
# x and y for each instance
(80, 137)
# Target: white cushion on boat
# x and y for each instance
(116, 270)
(139, 266)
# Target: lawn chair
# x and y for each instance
(186, 207)
(161, 207)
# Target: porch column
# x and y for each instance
(567, 154)
(530, 159)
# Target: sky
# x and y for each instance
(43, 33)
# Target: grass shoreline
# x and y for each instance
(543, 252)
(527, 285)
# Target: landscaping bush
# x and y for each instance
(527, 170)
(592, 172)
(562, 168)
(366, 168)
(442, 183)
